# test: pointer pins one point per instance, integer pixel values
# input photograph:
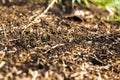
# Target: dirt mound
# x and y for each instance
(60, 46)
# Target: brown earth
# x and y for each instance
(70, 44)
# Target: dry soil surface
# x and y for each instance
(65, 44)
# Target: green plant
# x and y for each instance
(73, 2)
(112, 6)
(80, 1)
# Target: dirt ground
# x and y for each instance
(66, 44)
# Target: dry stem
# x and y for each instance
(36, 20)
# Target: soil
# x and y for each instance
(66, 44)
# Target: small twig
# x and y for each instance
(35, 75)
(36, 20)
(73, 1)
(2, 64)
(57, 45)
(98, 59)
(3, 1)
(109, 10)
(53, 47)
(5, 35)
(46, 10)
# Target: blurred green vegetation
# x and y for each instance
(112, 6)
